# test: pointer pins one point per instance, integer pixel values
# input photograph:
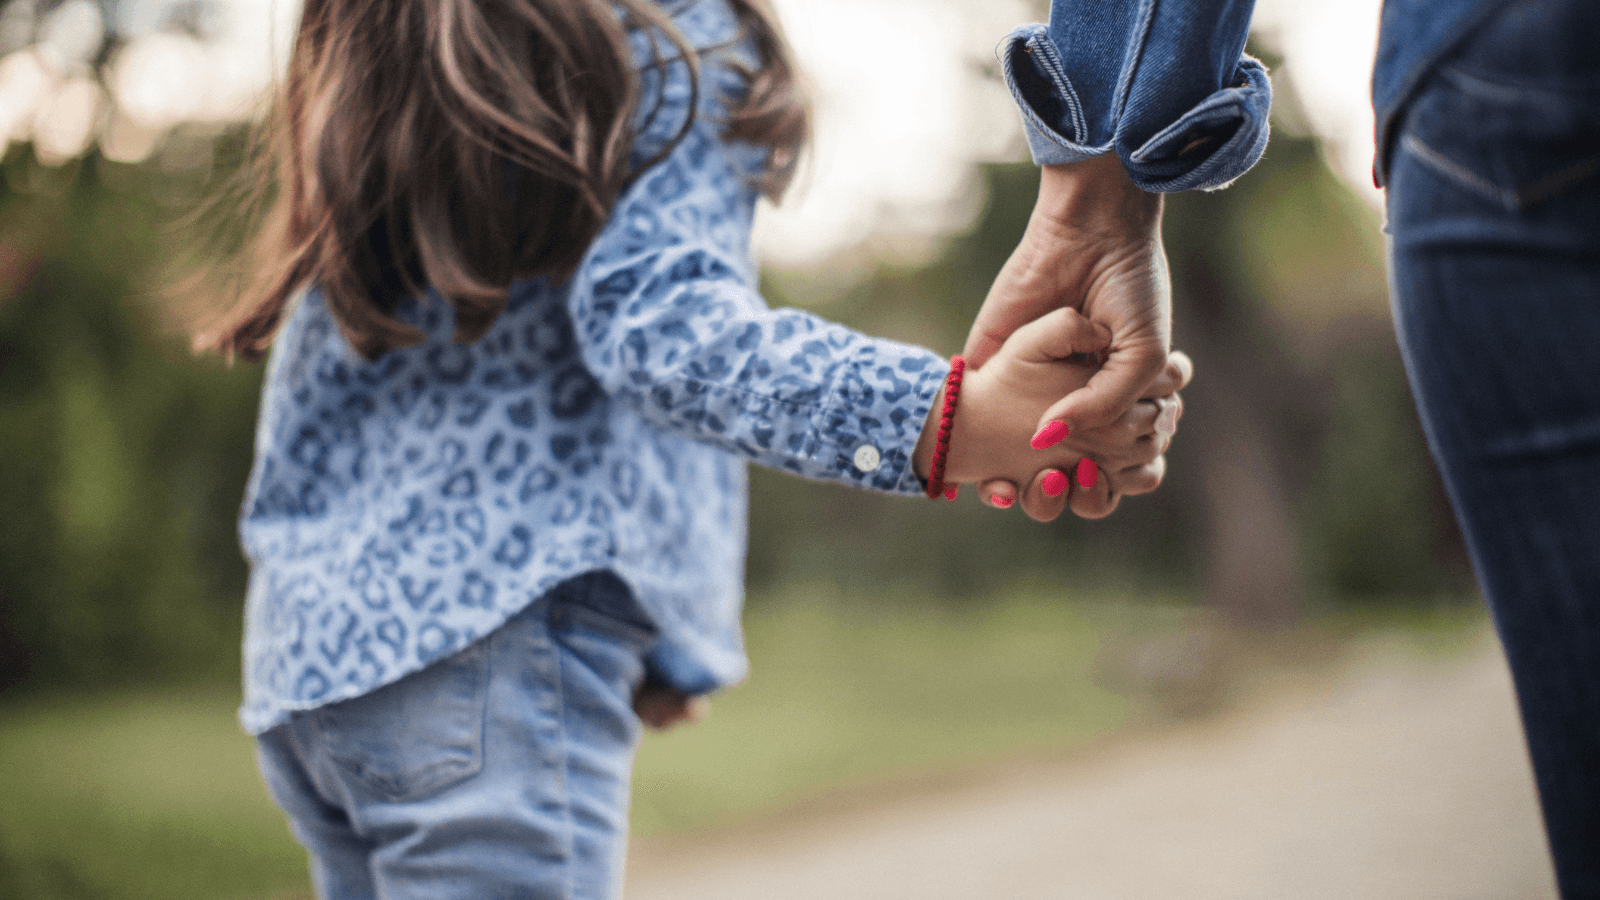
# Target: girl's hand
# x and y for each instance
(661, 707)
(1126, 457)
(1002, 404)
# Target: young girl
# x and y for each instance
(500, 464)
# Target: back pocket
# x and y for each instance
(417, 736)
(1513, 114)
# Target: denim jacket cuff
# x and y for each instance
(1210, 145)
(699, 670)
(1207, 147)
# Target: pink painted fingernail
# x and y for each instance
(1049, 436)
(1054, 483)
(1088, 472)
(950, 493)
(1001, 501)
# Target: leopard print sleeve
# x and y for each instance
(669, 321)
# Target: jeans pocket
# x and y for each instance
(1509, 117)
(417, 736)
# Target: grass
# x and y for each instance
(845, 692)
(137, 795)
(128, 794)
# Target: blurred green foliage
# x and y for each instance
(1362, 507)
(1279, 286)
(137, 793)
(124, 455)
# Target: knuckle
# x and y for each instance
(1099, 511)
(1042, 515)
(1140, 484)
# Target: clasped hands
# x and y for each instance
(1070, 357)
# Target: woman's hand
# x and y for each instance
(1093, 243)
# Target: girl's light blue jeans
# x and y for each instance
(500, 772)
(1494, 208)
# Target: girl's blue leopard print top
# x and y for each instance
(403, 508)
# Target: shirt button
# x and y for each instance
(868, 458)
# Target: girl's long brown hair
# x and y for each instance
(459, 145)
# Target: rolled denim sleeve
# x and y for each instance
(1163, 84)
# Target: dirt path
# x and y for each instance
(1402, 777)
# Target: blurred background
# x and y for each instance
(1300, 510)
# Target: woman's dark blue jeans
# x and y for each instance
(1494, 212)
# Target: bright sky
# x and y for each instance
(1328, 46)
(903, 110)
(906, 91)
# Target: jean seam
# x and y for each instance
(1045, 62)
(565, 615)
(1557, 181)
(1130, 67)
(1214, 111)
(558, 685)
(1513, 199)
(1514, 92)
(1045, 52)
(1543, 443)
(1442, 164)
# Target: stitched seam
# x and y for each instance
(1045, 53)
(1517, 198)
(1211, 112)
(1441, 163)
(1147, 17)
(1551, 185)
(563, 763)
(1389, 118)
(1546, 442)
(1512, 92)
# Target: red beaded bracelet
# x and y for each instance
(947, 418)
